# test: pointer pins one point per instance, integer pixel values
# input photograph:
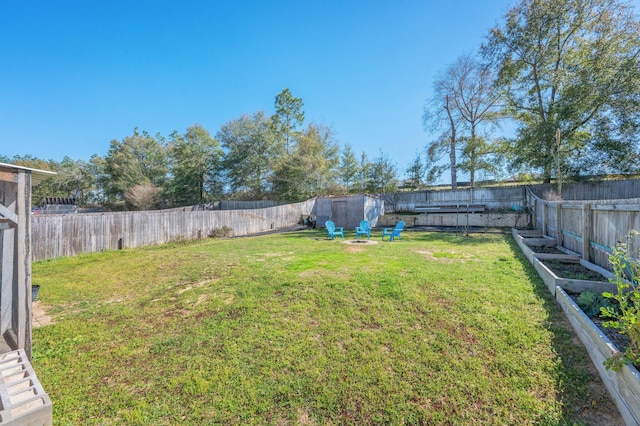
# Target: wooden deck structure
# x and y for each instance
(23, 401)
(15, 246)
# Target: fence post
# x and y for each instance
(531, 209)
(534, 214)
(559, 226)
(545, 218)
(586, 231)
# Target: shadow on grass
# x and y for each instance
(581, 391)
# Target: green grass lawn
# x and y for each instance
(295, 329)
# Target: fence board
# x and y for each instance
(572, 228)
(595, 190)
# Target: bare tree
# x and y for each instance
(476, 101)
(441, 115)
(143, 196)
(464, 103)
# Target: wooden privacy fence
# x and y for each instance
(589, 228)
(69, 235)
(491, 198)
(500, 197)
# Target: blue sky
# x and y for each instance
(77, 74)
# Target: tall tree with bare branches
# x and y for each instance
(463, 105)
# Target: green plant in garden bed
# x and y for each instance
(295, 329)
(592, 303)
(625, 317)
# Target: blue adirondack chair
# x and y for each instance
(363, 229)
(332, 230)
(393, 232)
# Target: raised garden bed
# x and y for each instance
(553, 252)
(540, 241)
(546, 250)
(572, 270)
(620, 341)
(623, 385)
(577, 281)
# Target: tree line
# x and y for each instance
(564, 73)
(252, 157)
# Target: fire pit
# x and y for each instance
(360, 242)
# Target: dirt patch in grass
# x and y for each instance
(303, 417)
(40, 316)
(358, 246)
(444, 256)
(354, 249)
(196, 285)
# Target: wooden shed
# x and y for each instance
(347, 211)
(22, 398)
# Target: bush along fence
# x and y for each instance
(69, 235)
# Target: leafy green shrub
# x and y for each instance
(225, 231)
(626, 319)
(592, 303)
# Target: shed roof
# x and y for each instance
(37, 176)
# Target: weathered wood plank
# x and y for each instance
(22, 297)
(8, 176)
(9, 260)
(540, 242)
(450, 209)
(586, 232)
(529, 232)
(615, 207)
(8, 214)
(559, 235)
(565, 257)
